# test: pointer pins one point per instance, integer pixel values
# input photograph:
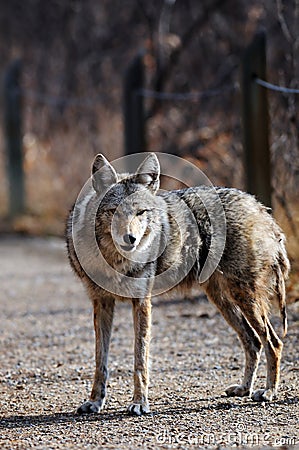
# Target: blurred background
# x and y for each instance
(73, 58)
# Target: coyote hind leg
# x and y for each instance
(273, 349)
(220, 297)
(252, 348)
(254, 309)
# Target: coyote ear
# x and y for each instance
(148, 173)
(103, 174)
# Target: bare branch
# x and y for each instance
(282, 21)
(164, 73)
(163, 29)
(281, 198)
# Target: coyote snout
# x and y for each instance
(143, 235)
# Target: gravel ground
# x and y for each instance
(47, 367)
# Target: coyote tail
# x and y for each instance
(280, 290)
(281, 270)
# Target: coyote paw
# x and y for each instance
(138, 409)
(263, 395)
(91, 407)
(237, 390)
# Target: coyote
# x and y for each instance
(143, 233)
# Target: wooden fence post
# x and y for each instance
(133, 107)
(255, 121)
(13, 138)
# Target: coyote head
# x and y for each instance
(129, 211)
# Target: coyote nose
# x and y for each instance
(129, 239)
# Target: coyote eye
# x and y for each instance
(140, 212)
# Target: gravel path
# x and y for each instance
(47, 366)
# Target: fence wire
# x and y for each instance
(186, 96)
(148, 93)
(274, 87)
(53, 100)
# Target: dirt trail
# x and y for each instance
(47, 366)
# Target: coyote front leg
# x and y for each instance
(142, 329)
(103, 316)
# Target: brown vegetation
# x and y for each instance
(74, 58)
